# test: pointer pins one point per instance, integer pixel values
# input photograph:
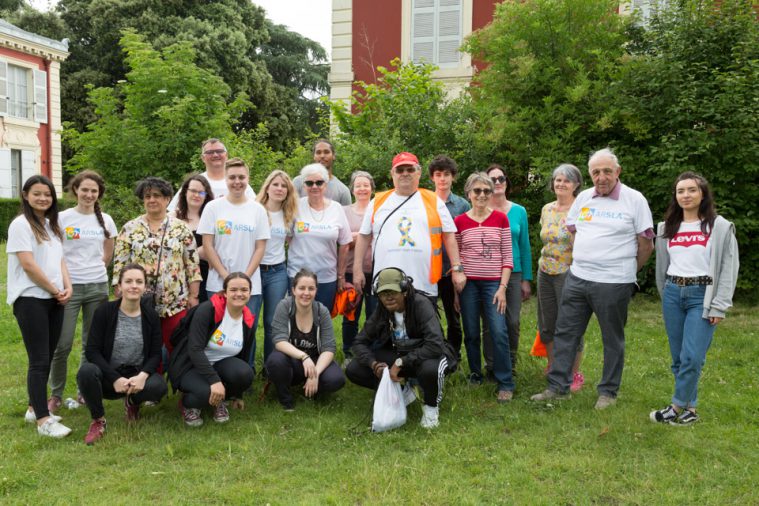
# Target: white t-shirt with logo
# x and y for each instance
(316, 235)
(689, 251)
(219, 189)
(47, 256)
(404, 242)
(226, 341)
(275, 246)
(235, 229)
(83, 240)
(606, 239)
(399, 330)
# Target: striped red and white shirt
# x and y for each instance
(484, 248)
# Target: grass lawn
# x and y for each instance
(521, 453)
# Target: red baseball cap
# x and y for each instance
(405, 158)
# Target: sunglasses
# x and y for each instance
(405, 170)
(318, 183)
(210, 152)
(498, 180)
(480, 191)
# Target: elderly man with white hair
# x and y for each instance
(613, 238)
(321, 236)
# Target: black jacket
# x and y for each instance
(190, 352)
(422, 326)
(103, 332)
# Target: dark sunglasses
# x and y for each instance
(480, 191)
(405, 170)
(498, 180)
(318, 183)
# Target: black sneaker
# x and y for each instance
(666, 415)
(686, 417)
(475, 379)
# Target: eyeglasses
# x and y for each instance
(210, 152)
(480, 191)
(498, 180)
(197, 192)
(405, 169)
(318, 183)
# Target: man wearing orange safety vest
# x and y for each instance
(407, 227)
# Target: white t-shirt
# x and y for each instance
(83, 240)
(606, 244)
(235, 229)
(275, 246)
(399, 331)
(47, 255)
(404, 242)
(226, 341)
(219, 189)
(315, 238)
(689, 251)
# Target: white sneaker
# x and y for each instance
(30, 417)
(70, 403)
(409, 395)
(52, 428)
(429, 417)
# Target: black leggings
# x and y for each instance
(40, 321)
(94, 388)
(430, 374)
(285, 371)
(235, 374)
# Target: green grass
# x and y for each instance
(521, 453)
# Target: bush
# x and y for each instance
(10, 208)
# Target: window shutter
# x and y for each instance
(449, 32)
(28, 165)
(40, 96)
(423, 32)
(6, 175)
(3, 88)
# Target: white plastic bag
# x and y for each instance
(389, 406)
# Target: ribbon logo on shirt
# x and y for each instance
(404, 227)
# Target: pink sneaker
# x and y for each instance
(577, 382)
(54, 403)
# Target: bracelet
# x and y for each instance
(304, 357)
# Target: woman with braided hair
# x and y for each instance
(88, 238)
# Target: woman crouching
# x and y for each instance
(304, 344)
(123, 352)
(210, 366)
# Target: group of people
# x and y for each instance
(195, 272)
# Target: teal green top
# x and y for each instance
(520, 241)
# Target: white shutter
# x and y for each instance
(28, 165)
(6, 175)
(423, 32)
(40, 96)
(449, 32)
(643, 9)
(436, 31)
(3, 88)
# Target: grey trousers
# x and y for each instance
(550, 287)
(513, 308)
(579, 300)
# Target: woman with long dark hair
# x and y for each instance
(696, 272)
(88, 239)
(194, 194)
(38, 288)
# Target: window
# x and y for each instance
(23, 92)
(15, 172)
(436, 32)
(18, 91)
(647, 8)
(16, 166)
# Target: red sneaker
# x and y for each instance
(132, 411)
(577, 382)
(96, 432)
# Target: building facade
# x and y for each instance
(30, 111)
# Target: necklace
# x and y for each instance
(314, 214)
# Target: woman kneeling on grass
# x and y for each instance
(211, 364)
(304, 344)
(123, 352)
(696, 272)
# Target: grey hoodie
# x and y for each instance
(280, 325)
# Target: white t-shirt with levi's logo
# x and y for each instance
(83, 243)
(689, 251)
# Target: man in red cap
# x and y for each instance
(407, 228)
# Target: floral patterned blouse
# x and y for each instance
(179, 260)
(556, 255)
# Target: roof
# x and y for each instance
(14, 31)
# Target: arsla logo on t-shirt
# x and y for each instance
(586, 214)
(302, 227)
(218, 337)
(72, 233)
(687, 239)
(223, 227)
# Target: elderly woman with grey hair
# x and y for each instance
(321, 236)
(555, 259)
(362, 187)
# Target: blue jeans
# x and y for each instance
(254, 305)
(274, 287)
(478, 295)
(350, 328)
(690, 336)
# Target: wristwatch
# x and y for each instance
(398, 362)
(457, 268)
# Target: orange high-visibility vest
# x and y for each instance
(434, 224)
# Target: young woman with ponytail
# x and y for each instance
(88, 238)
